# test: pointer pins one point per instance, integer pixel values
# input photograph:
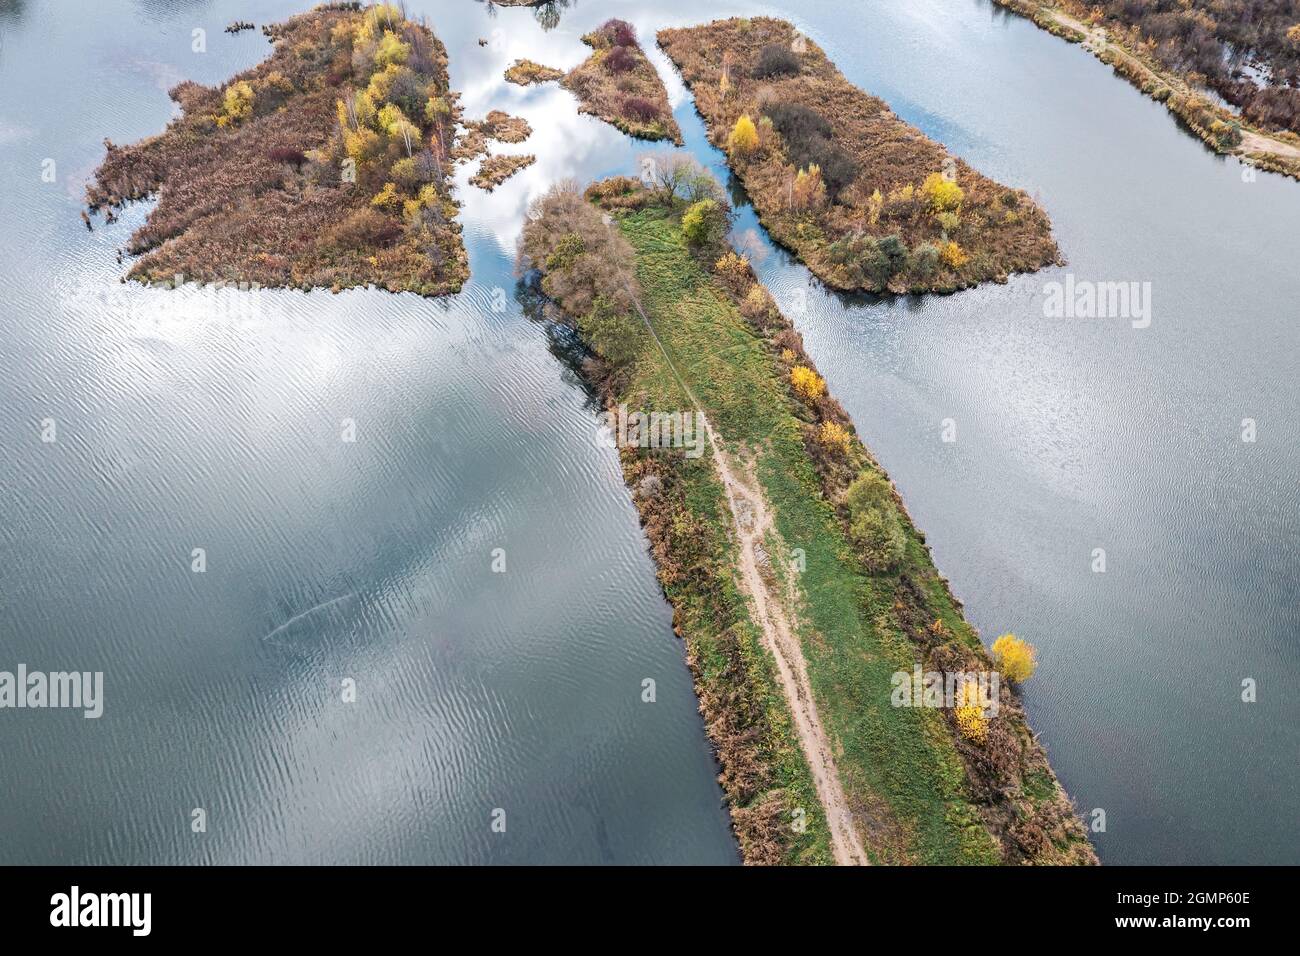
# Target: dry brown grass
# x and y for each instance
(265, 198)
(998, 231)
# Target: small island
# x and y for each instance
(326, 165)
(866, 201)
(617, 84)
(502, 128)
(527, 73)
(620, 85)
(494, 170)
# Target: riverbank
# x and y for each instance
(1222, 129)
(865, 200)
(795, 624)
(326, 165)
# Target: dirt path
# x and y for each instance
(752, 520)
(774, 615)
(1252, 141)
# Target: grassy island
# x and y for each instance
(865, 200)
(799, 584)
(1193, 57)
(324, 166)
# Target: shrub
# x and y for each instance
(925, 260)
(286, 154)
(943, 195)
(807, 384)
(806, 137)
(808, 190)
(387, 198)
(639, 109)
(952, 255)
(704, 223)
(880, 538)
(874, 523)
(744, 136)
(834, 436)
(391, 51)
(1014, 658)
(969, 712)
(775, 59)
(612, 331)
(619, 60)
(756, 305)
(618, 192)
(236, 104)
(619, 32)
(796, 121)
(409, 173)
(869, 490)
(566, 252)
(733, 270)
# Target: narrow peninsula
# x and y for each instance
(804, 594)
(866, 201)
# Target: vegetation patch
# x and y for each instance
(498, 126)
(866, 201)
(324, 166)
(926, 785)
(526, 73)
(620, 85)
(497, 169)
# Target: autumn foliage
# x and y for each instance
(325, 165)
(1014, 658)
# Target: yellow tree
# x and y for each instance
(1014, 658)
(744, 136)
(807, 384)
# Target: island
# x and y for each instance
(617, 83)
(326, 165)
(866, 201)
(804, 594)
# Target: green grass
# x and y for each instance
(896, 763)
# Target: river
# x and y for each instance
(468, 570)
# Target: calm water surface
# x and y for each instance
(213, 420)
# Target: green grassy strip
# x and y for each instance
(900, 758)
